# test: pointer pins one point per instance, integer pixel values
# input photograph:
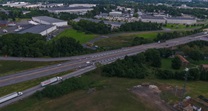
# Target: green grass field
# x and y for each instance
(151, 35)
(79, 36)
(110, 95)
(166, 64)
(180, 26)
(8, 67)
(124, 41)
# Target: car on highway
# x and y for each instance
(88, 62)
(59, 64)
(5, 31)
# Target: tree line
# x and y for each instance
(172, 35)
(92, 27)
(35, 45)
(66, 86)
(102, 28)
(149, 64)
(134, 66)
(140, 26)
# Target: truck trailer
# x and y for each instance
(49, 81)
(10, 96)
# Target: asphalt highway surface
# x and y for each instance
(77, 62)
(32, 90)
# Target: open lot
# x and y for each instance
(79, 36)
(111, 94)
(152, 97)
(124, 41)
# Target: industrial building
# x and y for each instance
(82, 5)
(115, 14)
(40, 29)
(50, 21)
(180, 20)
(50, 5)
(16, 4)
(113, 24)
(72, 10)
(171, 20)
(153, 19)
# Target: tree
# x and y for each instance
(176, 63)
(153, 57)
(194, 74)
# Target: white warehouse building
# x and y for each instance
(40, 29)
(72, 10)
(50, 21)
(115, 14)
(178, 20)
(153, 19)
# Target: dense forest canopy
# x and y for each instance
(35, 45)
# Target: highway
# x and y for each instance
(83, 67)
(32, 90)
(78, 62)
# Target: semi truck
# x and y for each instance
(50, 81)
(10, 96)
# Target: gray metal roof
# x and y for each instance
(180, 18)
(67, 8)
(48, 19)
(151, 17)
(36, 29)
(95, 20)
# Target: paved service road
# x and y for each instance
(102, 57)
(32, 90)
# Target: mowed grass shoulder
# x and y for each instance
(8, 67)
(151, 35)
(77, 35)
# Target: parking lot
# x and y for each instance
(23, 23)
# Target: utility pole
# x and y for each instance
(185, 78)
(184, 87)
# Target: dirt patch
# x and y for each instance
(151, 95)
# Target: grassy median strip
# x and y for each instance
(28, 84)
(9, 67)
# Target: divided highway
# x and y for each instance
(78, 62)
(32, 90)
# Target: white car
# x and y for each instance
(5, 31)
(59, 65)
